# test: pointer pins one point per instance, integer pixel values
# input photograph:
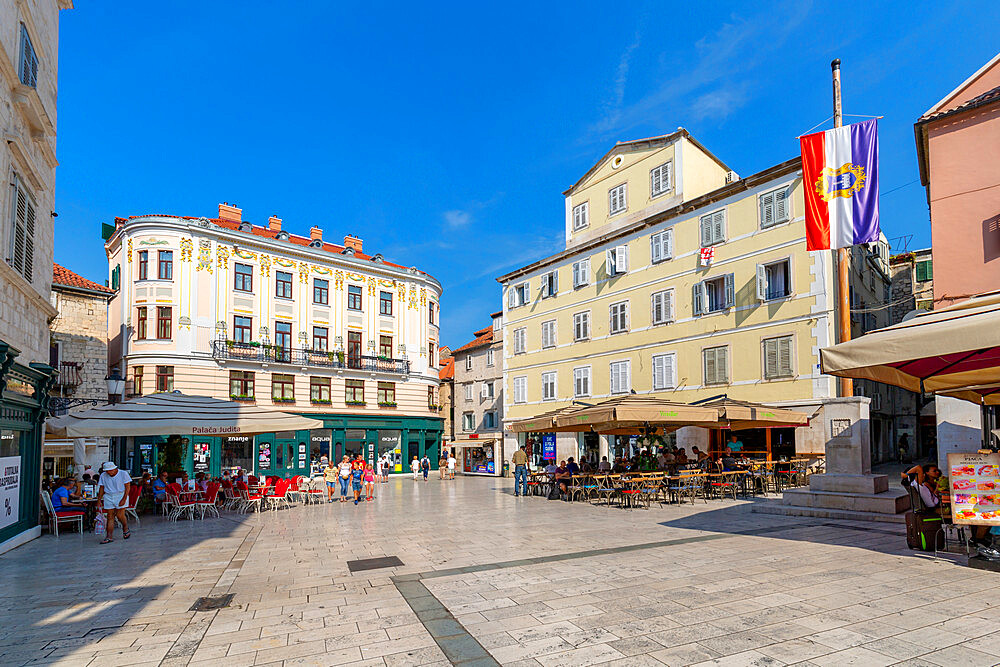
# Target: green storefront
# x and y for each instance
(24, 392)
(290, 453)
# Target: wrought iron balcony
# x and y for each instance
(302, 357)
(69, 374)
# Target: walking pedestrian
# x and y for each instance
(520, 461)
(369, 483)
(386, 467)
(345, 478)
(112, 496)
(330, 475)
(357, 476)
(415, 467)
(442, 464)
(425, 466)
(452, 463)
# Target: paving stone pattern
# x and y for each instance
(493, 579)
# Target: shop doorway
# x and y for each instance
(354, 442)
(237, 453)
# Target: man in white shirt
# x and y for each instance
(452, 462)
(112, 496)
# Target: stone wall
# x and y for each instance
(479, 373)
(80, 329)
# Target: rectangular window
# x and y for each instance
(488, 390)
(581, 382)
(283, 341)
(663, 307)
(581, 326)
(243, 277)
(354, 349)
(137, 372)
(716, 363)
(319, 390)
(549, 333)
(164, 378)
(664, 366)
(778, 357)
(617, 199)
(520, 390)
(468, 391)
(468, 421)
(621, 377)
(385, 303)
(924, 271)
(520, 340)
(22, 242)
(549, 386)
(163, 322)
(242, 329)
(241, 385)
(713, 295)
(619, 317)
(385, 346)
(489, 357)
(116, 277)
(518, 295)
(282, 388)
(431, 398)
(321, 339)
(282, 284)
(660, 179)
(354, 392)
(321, 292)
(773, 208)
(550, 284)
(353, 297)
(581, 216)
(581, 273)
(165, 265)
(140, 323)
(431, 311)
(143, 264)
(661, 246)
(386, 394)
(773, 280)
(489, 419)
(27, 66)
(468, 362)
(617, 260)
(713, 228)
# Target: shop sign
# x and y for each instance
(486, 468)
(215, 430)
(549, 446)
(10, 490)
(975, 488)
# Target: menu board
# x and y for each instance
(974, 480)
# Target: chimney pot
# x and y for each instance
(353, 242)
(230, 212)
(316, 234)
(274, 223)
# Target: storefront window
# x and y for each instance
(355, 442)
(590, 449)
(10, 443)
(388, 441)
(237, 452)
(321, 439)
(478, 459)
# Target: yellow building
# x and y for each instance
(680, 280)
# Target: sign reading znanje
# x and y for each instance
(974, 482)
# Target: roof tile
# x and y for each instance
(63, 276)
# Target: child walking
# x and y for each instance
(369, 482)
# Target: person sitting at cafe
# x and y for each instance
(680, 457)
(619, 466)
(728, 461)
(563, 477)
(572, 466)
(160, 487)
(201, 482)
(63, 500)
(186, 483)
(604, 465)
(550, 469)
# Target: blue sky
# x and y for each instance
(444, 135)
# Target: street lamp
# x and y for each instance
(116, 386)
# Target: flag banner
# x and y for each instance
(707, 256)
(840, 180)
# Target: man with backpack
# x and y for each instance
(425, 466)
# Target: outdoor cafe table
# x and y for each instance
(89, 512)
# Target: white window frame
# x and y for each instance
(583, 317)
(550, 379)
(550, 284)
(622, 316)
(618, 199)
(700, 297)
(614, 376)
(468, 421)
(489, 357)
(520, 389)
(666, 297)
(715, 223)
(704, 366)
(779, 373)
(665, 172)
(549, 334)
(581, 374)
(777, 203)
(581, 273)
(661, 246)
(518, 294)
(581, 216)
(520, 340)
(667, 376)
(616, 260)
(762, 281)
(468, 391)
(488, 390)
(468, 362)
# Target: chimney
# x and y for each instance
(228, 212)
(353, 242)
(274, 223)
(316, 234)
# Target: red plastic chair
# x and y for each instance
(248, 500)
(207, 504)
(279, 494)
(134, 491)
(179, 507)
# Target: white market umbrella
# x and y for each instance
(177, 414)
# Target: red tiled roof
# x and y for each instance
(63, 276)
(978, 101)
(447, 371)
(483, 338)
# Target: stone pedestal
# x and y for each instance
(848, 489)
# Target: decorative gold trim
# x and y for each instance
(829, 172)
(222, 255)
(265, 265)
(372, 286)
(321, 270)
(338, 279)
(154, 242)
(303, 272)
(244, 254)
(130, 251)
(287, 263)
(204, 256)
(187, 246)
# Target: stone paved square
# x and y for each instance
(493, 579)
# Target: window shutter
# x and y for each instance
(610, 260)
(722, 364)
(576, 274)
(621, 259)
(668, 306)
(668, 176)
(785, 357)
(658, 382)
(510, 298)
(710, 367)
(655, 250)
(698, 302)
(730, 290)
(719, 226)
(767, 209)
(655, 182)
(555, 283)
(17, 245)
(706, 231)
(780, 206)
(657, 312)
(770, 358)
(761, 282)
(585, 269)
(668, 247)
(668, 370)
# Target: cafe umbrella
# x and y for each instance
(631, 411)
(741, 415)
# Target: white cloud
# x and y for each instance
(457, 218)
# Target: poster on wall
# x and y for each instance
(10, 490)
(264, 458)
(201, 457)
(302, 455)
(549, 446)
(974, 481)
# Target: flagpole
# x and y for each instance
(843, 265)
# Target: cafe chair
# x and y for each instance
(248, 500)
(207, 504)
(279, 495)
(179, 507)
(134, 491)
(55, 518)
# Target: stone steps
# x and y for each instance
(893, 501)
(825, 513)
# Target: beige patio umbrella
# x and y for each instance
(952, 349)
(741, 415)
(637, 412)
(177, 414)
(984, 394)
(544, 422)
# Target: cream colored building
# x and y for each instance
(226, 308)
(681, 280)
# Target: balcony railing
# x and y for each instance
(295, 356)
(69, 374)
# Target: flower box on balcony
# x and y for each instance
(387, 404)
(356, 403)
(241, 398)
(282, 400)
(317, 401)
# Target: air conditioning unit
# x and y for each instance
(732, 177)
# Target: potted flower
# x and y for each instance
(340, 357)
(387, 404)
